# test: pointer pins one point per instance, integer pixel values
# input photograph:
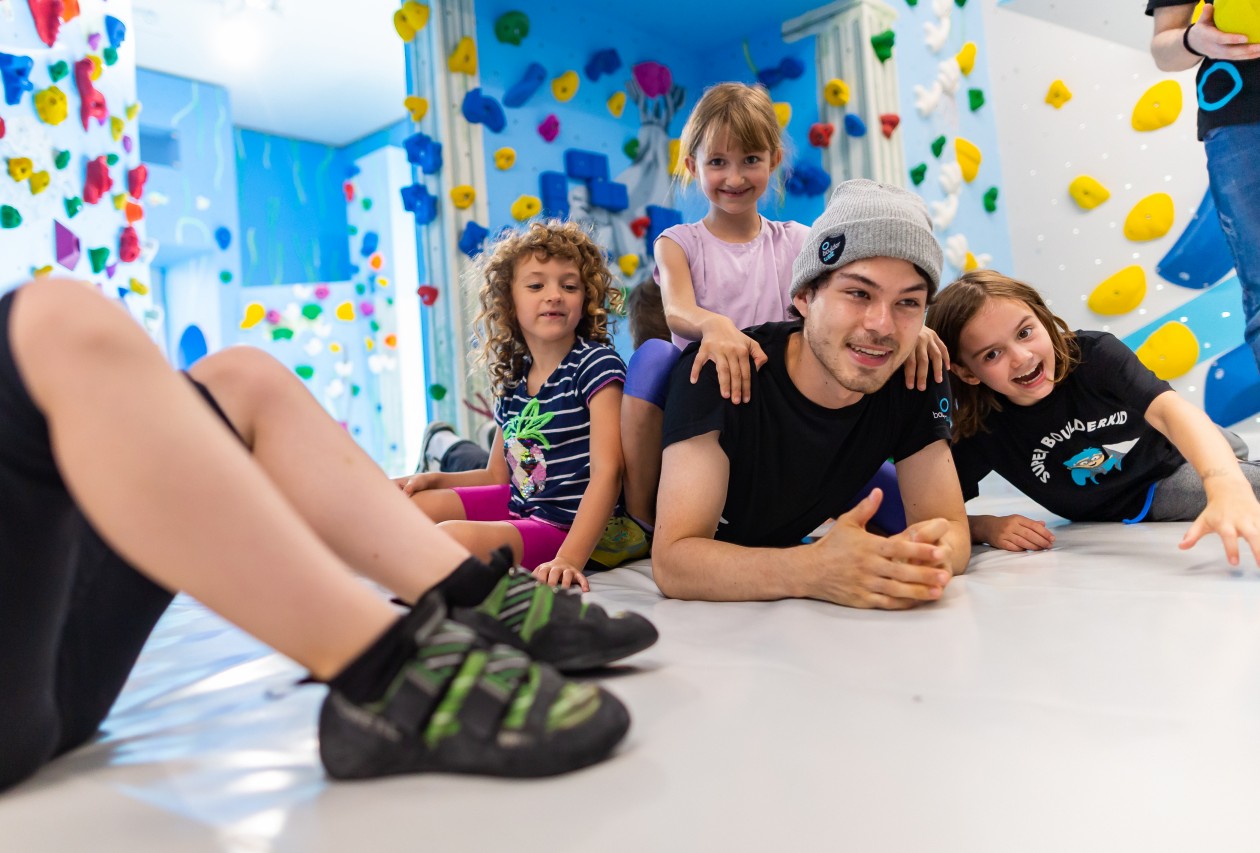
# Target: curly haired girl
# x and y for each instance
(543, 329)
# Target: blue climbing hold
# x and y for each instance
(1231, 392)
(419, 201)
(223, 237)
(16, 71)
(483, 109)
(471, 240)
(602, 62)
(660, 218)
(370, 242)
(585, 165)
(789, 69)
(535, 75)
(115, 31)
(1200, 257)
(553, 188)
(609, 195)
(424, 151)
(854, 126)
(807, 180)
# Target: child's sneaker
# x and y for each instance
(464, 705)
(556, 626)
(623, 540)
(428, 461)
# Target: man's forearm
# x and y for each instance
(1170, 53)
(701, 569)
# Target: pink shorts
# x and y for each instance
(541, 540)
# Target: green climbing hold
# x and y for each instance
(58, 70)
(360, 289)
(990, 199)
(374, 326)
(310, 310)
(280, 333)
(354, 390)
(938, 145)
(960, 3)
(9, 217)
(111, 159)
(912, 3)
(918, 173)
(99, 258)
(110, 55)
(511, 27)
(437, 392)
(225, 277)
(632, 149)
(62, 159)
(304, 370)
(389, 300)
(367, 204)
(73, 205)
(976, 98)
(352, 230)
(883, 44)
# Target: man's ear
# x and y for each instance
(801, 301)
(960, 370)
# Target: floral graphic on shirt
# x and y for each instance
(523, 445)
(1091, 462)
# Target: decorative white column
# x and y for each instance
(844, 29)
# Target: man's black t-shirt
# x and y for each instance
(1228, 92)
(793, 463)
(1085, 452)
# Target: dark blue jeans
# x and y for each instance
(1232, 152)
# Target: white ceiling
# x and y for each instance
(306, 69)
(1121, 22)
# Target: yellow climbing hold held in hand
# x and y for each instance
(783, 112)
(51, 105)
(504, 159)
(20, 168)
(417, 106)
(345, 311)
(836, 92)
(969, 158)
(39, 182)
(1150, 218)
(617, 103)
(1119, 293)
(411, 19)
(463, 59)
(1058, 94)
(565, 86)
(1238, 16)
(526, 207)
(628, 264)
(1158, 107)
(463, 196)
(967, 57)
(1087, 192)
(254, 313)
(1170, 351)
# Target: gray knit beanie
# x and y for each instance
(864, 219)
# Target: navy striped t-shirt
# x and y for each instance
(547, 437)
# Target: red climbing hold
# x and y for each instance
(93, 106)
(348, 189)
(640, 226)
(98, 180)
(889, 122)
(129, 245)
(135, 181)
(428, 294)
(47, 16)
(820, 134)
(1, 128)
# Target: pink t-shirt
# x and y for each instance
(747, 282)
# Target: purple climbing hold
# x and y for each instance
(653, 78)
(69, 249)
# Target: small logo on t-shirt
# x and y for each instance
(830, 249)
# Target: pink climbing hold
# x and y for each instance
(129, 245)
(367, 309)
(653, 78)
(273, 317)
(135, 181)
(550, 128)
(69, 250)
(93, 106)
(47, 17)
(322, 291)
(2, 129)
(98, 181)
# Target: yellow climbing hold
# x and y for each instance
(525, 207)
(463, 196)
(628, 264)
(967, 57)
(565, 86)
(254, 313)
(1170, 351)
(138, 287)
(116, 127)
(40, 272)
(418, 107)
(675, 163)
(617, 103)
(970, 263)
(410, 19)
(1239, 16)
(836, 92)
(120, 201)
(51, 105)
(969, 158)
(1119, 293)
(369, 344)
(20, 168)
(463, 59)
(1158, 107)
(334, 348)
(95, 73)
(133, 110)
(783, 112)
(504, 159)
(1058, 94)
(345, 311)
(1150, 218)
(1087, 192)
(39, 182)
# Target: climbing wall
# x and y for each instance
(1107, 188)
(71, 195)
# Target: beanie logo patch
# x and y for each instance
(830, 249)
